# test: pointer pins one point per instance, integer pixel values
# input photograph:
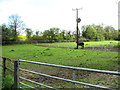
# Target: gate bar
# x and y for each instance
(73, 78)
(19, 74)
(77, 68)
(37, 83)
(27, 85)
(68, 80)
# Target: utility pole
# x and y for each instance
(77, 21)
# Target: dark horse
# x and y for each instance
(80, 43)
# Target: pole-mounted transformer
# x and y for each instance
(78, 20)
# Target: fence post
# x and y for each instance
(15, 74)
(4, 66)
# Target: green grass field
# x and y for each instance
(103, 60)
(87, 44)
(72, 57)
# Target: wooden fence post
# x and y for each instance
(16, 74)
(4, 66)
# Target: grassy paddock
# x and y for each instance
(71, 57)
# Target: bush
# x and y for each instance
(7, 82)
(82, 39)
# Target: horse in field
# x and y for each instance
(80, 43)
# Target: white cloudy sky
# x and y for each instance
(45, 14)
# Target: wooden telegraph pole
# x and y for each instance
(77, 25)
(77, 21)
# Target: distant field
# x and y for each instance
(73, 44)
(87, 44)
(22, 38)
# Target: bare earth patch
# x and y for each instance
(114, 49)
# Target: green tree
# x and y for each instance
(49, 35)
(7, 36)
(100, 32)
(28, 33)
(115, 35)
(46, 35)
(83, 28)
(52, 34)
(62, 35)
(68, 35)
(57, 31)
(15, 23)
(89, 32)
(37, 33)
(109, 30)
(37, 37)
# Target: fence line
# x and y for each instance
(15, 71)
(68, 80)
(17, 77)
(4, 65)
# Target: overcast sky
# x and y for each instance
(44, 14)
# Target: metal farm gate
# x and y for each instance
(54, 77)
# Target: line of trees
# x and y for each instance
(53, 35)
(97, 32)
(11, 31)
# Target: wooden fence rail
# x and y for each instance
(15, 71)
